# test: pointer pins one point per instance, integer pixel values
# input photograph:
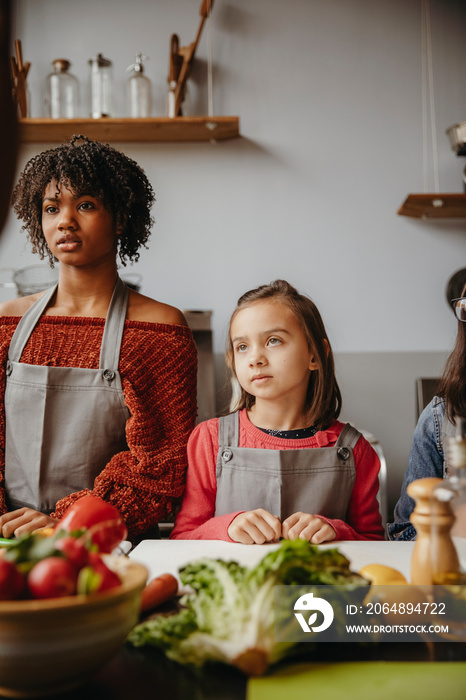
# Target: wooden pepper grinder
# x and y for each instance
(434, 552)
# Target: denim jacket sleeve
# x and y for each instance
(425, 459)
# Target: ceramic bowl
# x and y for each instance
(49, 646)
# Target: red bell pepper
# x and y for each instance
(101, 521)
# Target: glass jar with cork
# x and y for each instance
(61, 99)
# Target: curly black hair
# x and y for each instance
(88, 167)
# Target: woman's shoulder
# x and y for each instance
(432, 416)
(18, 306)
(145, 309)
(140, 308)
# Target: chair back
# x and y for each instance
(426, 389)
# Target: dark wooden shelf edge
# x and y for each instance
(150, 130)
(434, 206)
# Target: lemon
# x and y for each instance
(381, 575)
(45, 531)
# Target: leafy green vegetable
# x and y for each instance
(229, 615)
(28, 549)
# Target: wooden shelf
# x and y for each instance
(153, 129)
(434, 206)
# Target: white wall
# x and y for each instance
(329, 99)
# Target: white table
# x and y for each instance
(167, 556)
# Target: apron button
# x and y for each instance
(109, 375)
(227, 455)
(343, 453)
(9, 368)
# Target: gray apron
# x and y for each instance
(63, 424)
(316, 480)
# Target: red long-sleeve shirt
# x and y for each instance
(158, 370)
(196, 519)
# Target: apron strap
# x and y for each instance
(114, 325)
(348, 436)
(27, 324)
(112, 335)
(228, 430)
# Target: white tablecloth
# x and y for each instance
(167, 556)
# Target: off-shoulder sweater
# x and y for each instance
(158, 364)
(197, 521)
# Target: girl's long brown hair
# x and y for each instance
(453, 382)
(323, 398)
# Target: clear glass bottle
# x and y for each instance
(101, 87)
(61, 100)
(139, 89)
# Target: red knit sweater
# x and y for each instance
(158, 372)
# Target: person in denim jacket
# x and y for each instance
(425, 459)
(435, 424)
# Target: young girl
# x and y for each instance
(281, 465)
(97, 382)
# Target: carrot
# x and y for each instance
(158, 591)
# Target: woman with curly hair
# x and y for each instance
(97, 382)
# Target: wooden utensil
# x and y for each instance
(19, 71)
(181, 60)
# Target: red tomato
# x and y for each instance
(11, 581)
(102, 520)
(74, 550)
(109, 579)
(53, 577)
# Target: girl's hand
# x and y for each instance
(23, 520)
(255, 527)
(305, 526)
